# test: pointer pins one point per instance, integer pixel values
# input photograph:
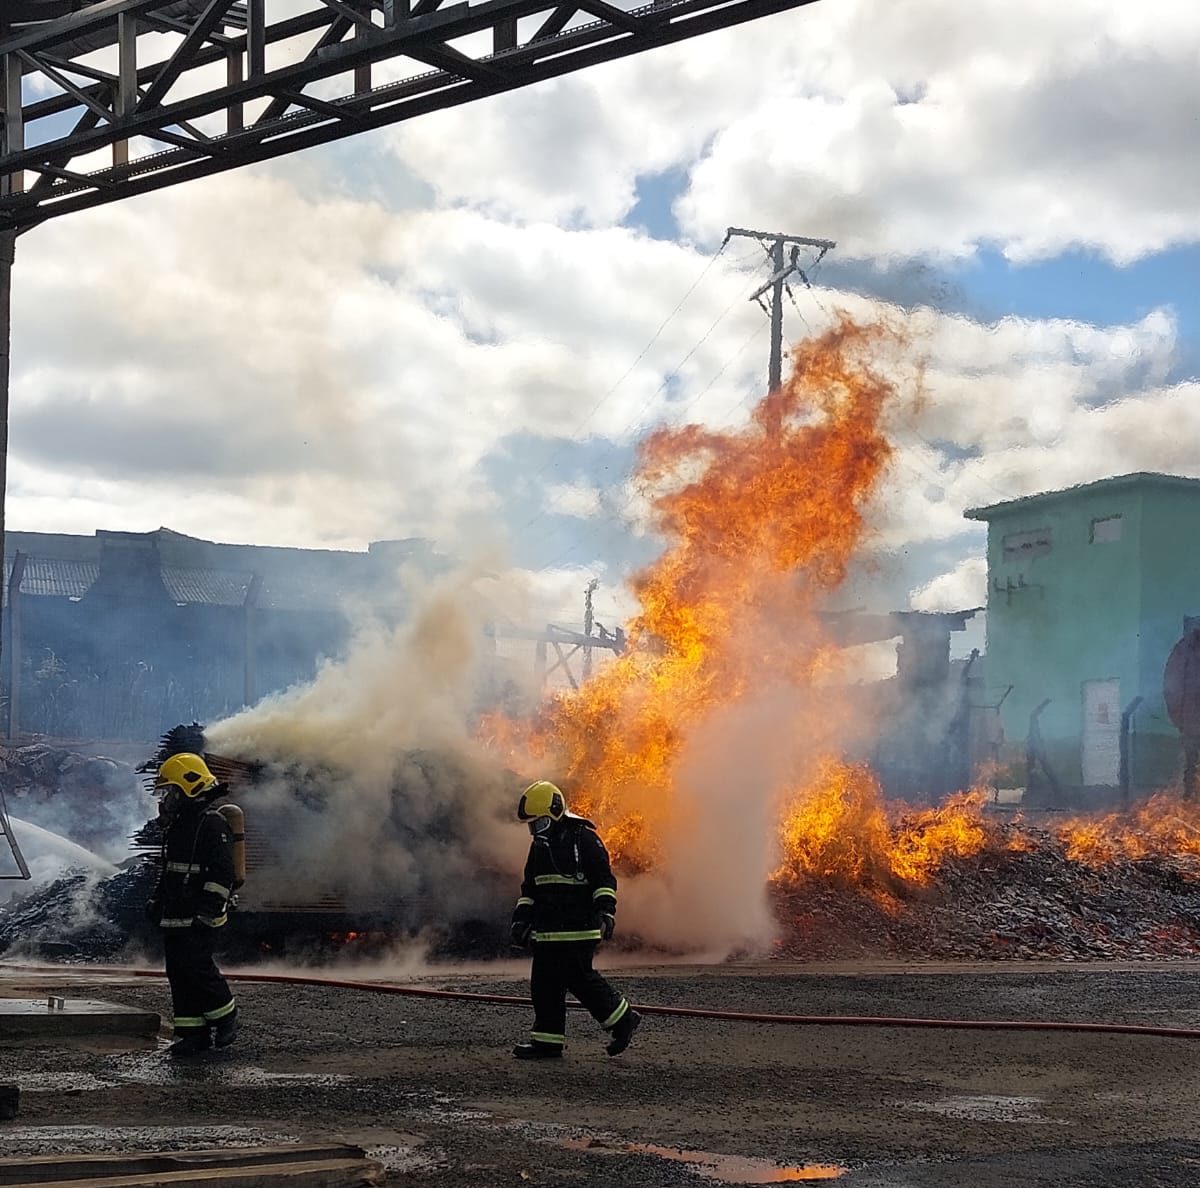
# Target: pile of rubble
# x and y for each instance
(1021, 898)
(78, 917)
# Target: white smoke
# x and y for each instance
(378, 790)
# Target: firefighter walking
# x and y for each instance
(568, 905)
(191, 902)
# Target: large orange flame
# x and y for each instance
(760, 526)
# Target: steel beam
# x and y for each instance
(197, 101)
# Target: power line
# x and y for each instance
(636, 423)
(641, 415)
(612, 516)
(641, 355)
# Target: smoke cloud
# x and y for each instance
(376, 791)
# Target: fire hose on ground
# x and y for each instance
(663, 1011)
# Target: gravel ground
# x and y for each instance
(431, 1088)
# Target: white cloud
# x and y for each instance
(963, 587)
(925, 130)
(269, 356)
(573, 499)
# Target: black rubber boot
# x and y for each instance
(226, 1031)
(622, 1032)
(191, 1043)
(538, 1051)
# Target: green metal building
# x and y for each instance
(1088, 589)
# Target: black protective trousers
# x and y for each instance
(565, 967)
(199, 994)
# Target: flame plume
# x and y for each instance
(712, 753)
(760, 524)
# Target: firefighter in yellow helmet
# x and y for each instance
(190, 903)
(568, 905)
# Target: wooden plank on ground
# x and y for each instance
(41, 1169)
(316, 1173)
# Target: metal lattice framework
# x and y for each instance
(97, 108)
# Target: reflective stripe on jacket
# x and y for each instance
(196, 870)
(568, 883)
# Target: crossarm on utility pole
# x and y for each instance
(775, 282)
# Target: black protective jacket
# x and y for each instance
(196, 871)
(568, 883)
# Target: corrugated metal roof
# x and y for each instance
(200, 573)
(55, 577)
(205, 587)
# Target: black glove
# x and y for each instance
(153, 910)
(521, 931)
(607, 924)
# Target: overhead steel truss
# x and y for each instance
(95, 109)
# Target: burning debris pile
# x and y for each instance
(956, 883)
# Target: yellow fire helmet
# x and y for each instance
(189, 773)
(542, 799)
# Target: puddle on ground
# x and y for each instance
(442, 1108)
(986, 1107)
(158, 1068)
(722, 1169)
(247, 1075)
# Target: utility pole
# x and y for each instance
(774, 244)
(588, 620)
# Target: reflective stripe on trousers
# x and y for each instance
(221, 1012)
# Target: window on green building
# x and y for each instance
(1106, 530)
(1020, 545)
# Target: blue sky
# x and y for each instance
(1076, 284)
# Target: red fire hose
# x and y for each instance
(672, 1012)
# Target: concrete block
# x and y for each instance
(24, 1018)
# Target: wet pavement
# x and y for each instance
(429, 1087)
